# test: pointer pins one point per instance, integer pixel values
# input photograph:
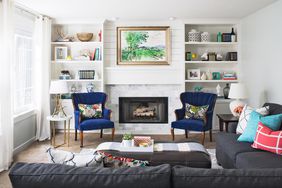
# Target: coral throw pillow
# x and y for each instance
(268, 140)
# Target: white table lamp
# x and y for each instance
(237, 91)
(57, 88)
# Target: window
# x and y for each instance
(24, 64)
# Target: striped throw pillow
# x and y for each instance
(245, 116)
(268, 140)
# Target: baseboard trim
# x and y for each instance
(24, 145)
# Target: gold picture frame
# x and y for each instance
(143, 45)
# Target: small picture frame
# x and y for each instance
(61, 53)
(193, 74)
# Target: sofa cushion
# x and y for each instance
(274, 109)
(184, 177)
(268, 140)
(227, 148)
(272, 121)
(189, 124)
(260, 159)
(92, 124)
(23, 175)
(245, 116)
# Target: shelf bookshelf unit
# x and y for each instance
(75, 49)
(222, 48)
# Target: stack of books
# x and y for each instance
(96, 55)
(229, 76)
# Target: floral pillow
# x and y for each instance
(196, 112)
(116, 161)
(90, 110)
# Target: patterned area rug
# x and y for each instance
(213, 159)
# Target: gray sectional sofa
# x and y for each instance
(25, 175)
(233, 154)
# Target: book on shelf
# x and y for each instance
(96, 55)
(229, 78)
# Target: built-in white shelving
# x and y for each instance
(211, 62)
(222, 48)
(212, 43)
(77, 43)
(211, 81)
(77, 62)
(76, 50)
(81, 80)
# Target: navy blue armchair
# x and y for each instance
(91, 124)
(196, 99)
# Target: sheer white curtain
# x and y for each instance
(42, 63)
(6, 62)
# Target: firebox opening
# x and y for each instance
(143, 110)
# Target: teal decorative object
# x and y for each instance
(198, 88)
(216, 76)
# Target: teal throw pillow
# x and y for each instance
(273, 122)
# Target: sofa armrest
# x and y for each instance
(179, 113)
(107, 113)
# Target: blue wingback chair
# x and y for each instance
(196, 99)
(91, 124)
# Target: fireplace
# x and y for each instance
(143, 109)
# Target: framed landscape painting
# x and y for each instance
(143, 45)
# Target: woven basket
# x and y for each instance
(84, 37)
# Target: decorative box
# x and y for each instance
(194, 36)
(141, 140)
(231, 56)
(86, 74)
(205, 37)
(226, 37)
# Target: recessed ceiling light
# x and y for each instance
(171, 18)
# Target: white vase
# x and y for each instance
(204, 76)
(209, 75)
(127, 143)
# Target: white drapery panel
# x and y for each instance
(42, 67)
(6, 64)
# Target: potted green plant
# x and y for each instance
(127, 140)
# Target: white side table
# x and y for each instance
(66, 121)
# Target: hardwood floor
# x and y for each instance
(36, 153)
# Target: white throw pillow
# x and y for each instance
(245, 116)
(74, 159)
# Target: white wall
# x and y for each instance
(163, 74)
(24, 131)
(262, 54)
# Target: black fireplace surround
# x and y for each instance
(143, 110)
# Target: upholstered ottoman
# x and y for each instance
(196, 156)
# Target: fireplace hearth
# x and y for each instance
(143, 110)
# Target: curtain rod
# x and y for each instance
(29, 11)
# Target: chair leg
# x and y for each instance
(101, 133)
(75, 135)
(210, 135)
(81, 139)
(203, 137)
(113, 133)
(186, 133)
(172, 133)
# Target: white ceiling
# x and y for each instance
(145, 9)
